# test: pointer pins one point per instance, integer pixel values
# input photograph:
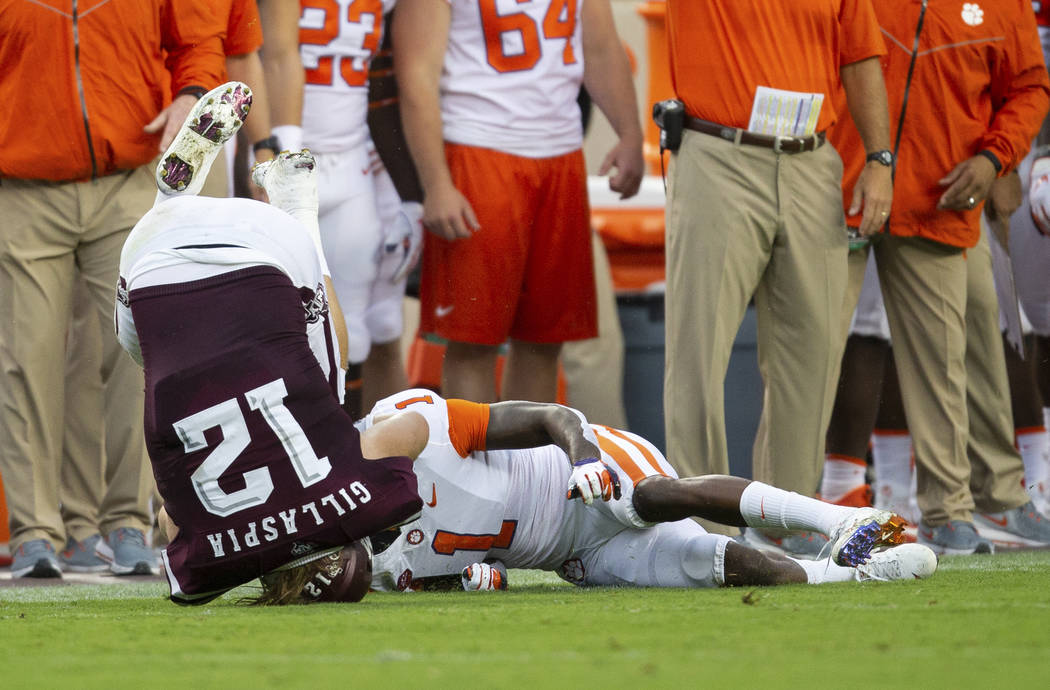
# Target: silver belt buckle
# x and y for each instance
(777, 141)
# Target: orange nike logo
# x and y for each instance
(433, 496)
(1001, 522)
(762, 507)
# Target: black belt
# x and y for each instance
(742, 136)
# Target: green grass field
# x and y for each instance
(980, 622)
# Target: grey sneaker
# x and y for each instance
(1020, 527)
(35, 558)
(955, 538)
(904, 562)
(79, 556)
(800, 544)
(126, 552)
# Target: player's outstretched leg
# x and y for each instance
(290, 181)
(212, 122)
(854, 532)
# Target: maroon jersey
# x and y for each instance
(256, 461)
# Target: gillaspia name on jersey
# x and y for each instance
(285, 523)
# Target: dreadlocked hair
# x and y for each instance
(285, 587)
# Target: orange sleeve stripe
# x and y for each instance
(468, 425)
(890, 432)
(641, 449)
(848, 458)
(623, 458)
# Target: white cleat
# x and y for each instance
(212, 122)
(290, 181)
(867, 528)
(904, 562)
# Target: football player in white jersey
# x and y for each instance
(488, 99)
(495, 493)
(371, 239)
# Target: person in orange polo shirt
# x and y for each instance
(754, 211)
(95, 90)
(968, 91)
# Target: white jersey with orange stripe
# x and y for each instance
(508, 505)
(337, 41)
(511, 75)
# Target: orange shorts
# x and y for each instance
(528, 272)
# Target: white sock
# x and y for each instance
(762, 505)
(891, 456)
(842, 474)
(1034, 446)
(819, 572)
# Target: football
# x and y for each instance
(342, 576)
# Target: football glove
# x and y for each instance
(484, 577)
(590, 479)
(402, 243)
(1039, 195)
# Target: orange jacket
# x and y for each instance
(78, 85)
(243, 27)
(979, 84)
(720, 51)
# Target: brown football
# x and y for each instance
(343, 576)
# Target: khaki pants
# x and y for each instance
(82, 477)
(943, 318)
(50, 232)
(743, 221)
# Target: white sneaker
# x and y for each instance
(904, 562)
(865, 529)
(215, 119)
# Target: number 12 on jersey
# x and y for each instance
(267, 399)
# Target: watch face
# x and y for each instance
(884, 157)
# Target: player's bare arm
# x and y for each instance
(520, 424)
(866, 95)
(248, 68)
(420, 35)
(283, 69)
(607, 77)
(401, 435)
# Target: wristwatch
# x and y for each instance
(883, 157)
(269, 142)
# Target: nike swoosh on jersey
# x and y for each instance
(433, 496)
(443, 311)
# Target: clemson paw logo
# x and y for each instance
(972, 13)
(414, 537)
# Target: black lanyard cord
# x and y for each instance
(907, 83)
